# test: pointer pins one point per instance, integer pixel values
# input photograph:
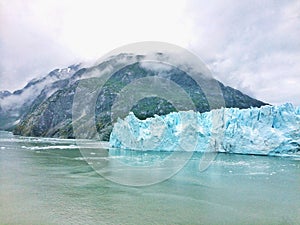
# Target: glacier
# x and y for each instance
(269, 130)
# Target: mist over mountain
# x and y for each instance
(14, 106)
(44, 106)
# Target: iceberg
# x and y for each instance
(269, 130)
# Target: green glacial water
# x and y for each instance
(47, 181)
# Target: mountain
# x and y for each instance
(14, 106)
(45, 107)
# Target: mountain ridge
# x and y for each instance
(49, 111)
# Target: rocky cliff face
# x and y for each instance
(15, 106)
(49, 111)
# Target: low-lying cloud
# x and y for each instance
(253, 46)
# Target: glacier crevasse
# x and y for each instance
(267, 130)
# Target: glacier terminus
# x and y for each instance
(269, 130)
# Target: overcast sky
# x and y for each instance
(253, 46)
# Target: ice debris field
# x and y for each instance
(269, 130)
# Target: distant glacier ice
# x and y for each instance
(268, 130)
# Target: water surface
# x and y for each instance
(47, 181)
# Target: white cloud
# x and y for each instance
(155, 66)
(251, 45)
(38, 36)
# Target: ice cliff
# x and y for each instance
(267, 130)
